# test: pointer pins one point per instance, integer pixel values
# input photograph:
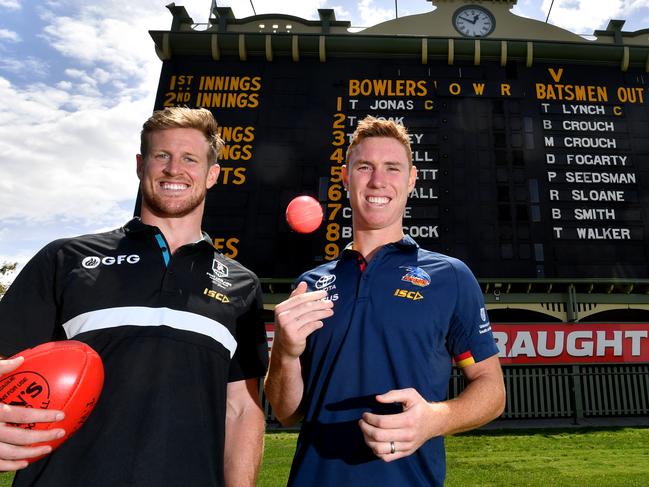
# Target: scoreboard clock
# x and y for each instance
(474, 21)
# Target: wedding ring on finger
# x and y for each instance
(392, 448)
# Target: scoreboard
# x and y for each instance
(523, 172)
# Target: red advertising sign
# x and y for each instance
(572, 343)
(564, 343)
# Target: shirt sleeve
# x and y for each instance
(470, 338)
(29, 309)
(251, 358)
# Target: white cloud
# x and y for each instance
(371, 14)
(68, 149)
(124, 49)
(306, 9)
(30, 67)
(10, 4)
(584, 16)
(9, 35)
(74, 165)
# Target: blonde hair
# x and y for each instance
(373, 127)
(184, 117)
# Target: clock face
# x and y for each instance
(473, 21)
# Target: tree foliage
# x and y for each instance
(6, 268)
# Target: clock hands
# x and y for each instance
(475, 19)
(473, 22)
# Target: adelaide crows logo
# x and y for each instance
(416, 276)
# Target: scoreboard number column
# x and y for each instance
(335, 185)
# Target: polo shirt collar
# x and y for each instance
(407, 242)
(137, 226)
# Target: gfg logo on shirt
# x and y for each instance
(92, 261)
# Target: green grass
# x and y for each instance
(278, 455)
(606, 457)
(5, 479)
(570, 458)
(539, 458)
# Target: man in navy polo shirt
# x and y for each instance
(363, 347)
(177, 324)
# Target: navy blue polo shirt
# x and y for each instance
(398, 322)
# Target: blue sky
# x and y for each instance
(78, 78)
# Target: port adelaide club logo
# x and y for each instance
(219, 275)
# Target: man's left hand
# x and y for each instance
(394, 436)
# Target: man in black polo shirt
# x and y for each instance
(178, 326)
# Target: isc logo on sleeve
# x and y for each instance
(403, 293)
(216, 295)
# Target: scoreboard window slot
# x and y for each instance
(504, 213)
(506, 251)
(487, 233)
(529, 141)
(486, 193)
(528, 124)
(459, 140)
(523, 232)
(486, 176)
(498, 122)
(289, 85)
(309, 176)
(533, 186)
(268, 202)
(519, 175)
(515, 123)
(483, 141)
(222, 199)
(518, 158)
(503, 194)
(500, 141)
(513, 107)
(538, 252)
(522, 214)
(426, 212)
(282, 102)
(228, 224)
(520, 193)
(502, 175)
(265, 226)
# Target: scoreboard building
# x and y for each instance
(532, 149)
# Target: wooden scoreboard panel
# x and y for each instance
(523, 172)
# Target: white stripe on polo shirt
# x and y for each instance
(143, 316)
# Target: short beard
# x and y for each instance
(164, 210)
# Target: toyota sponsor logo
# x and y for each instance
(93, 261)
(325, 281)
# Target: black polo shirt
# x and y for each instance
(172, 331)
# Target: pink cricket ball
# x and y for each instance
(304, 214)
